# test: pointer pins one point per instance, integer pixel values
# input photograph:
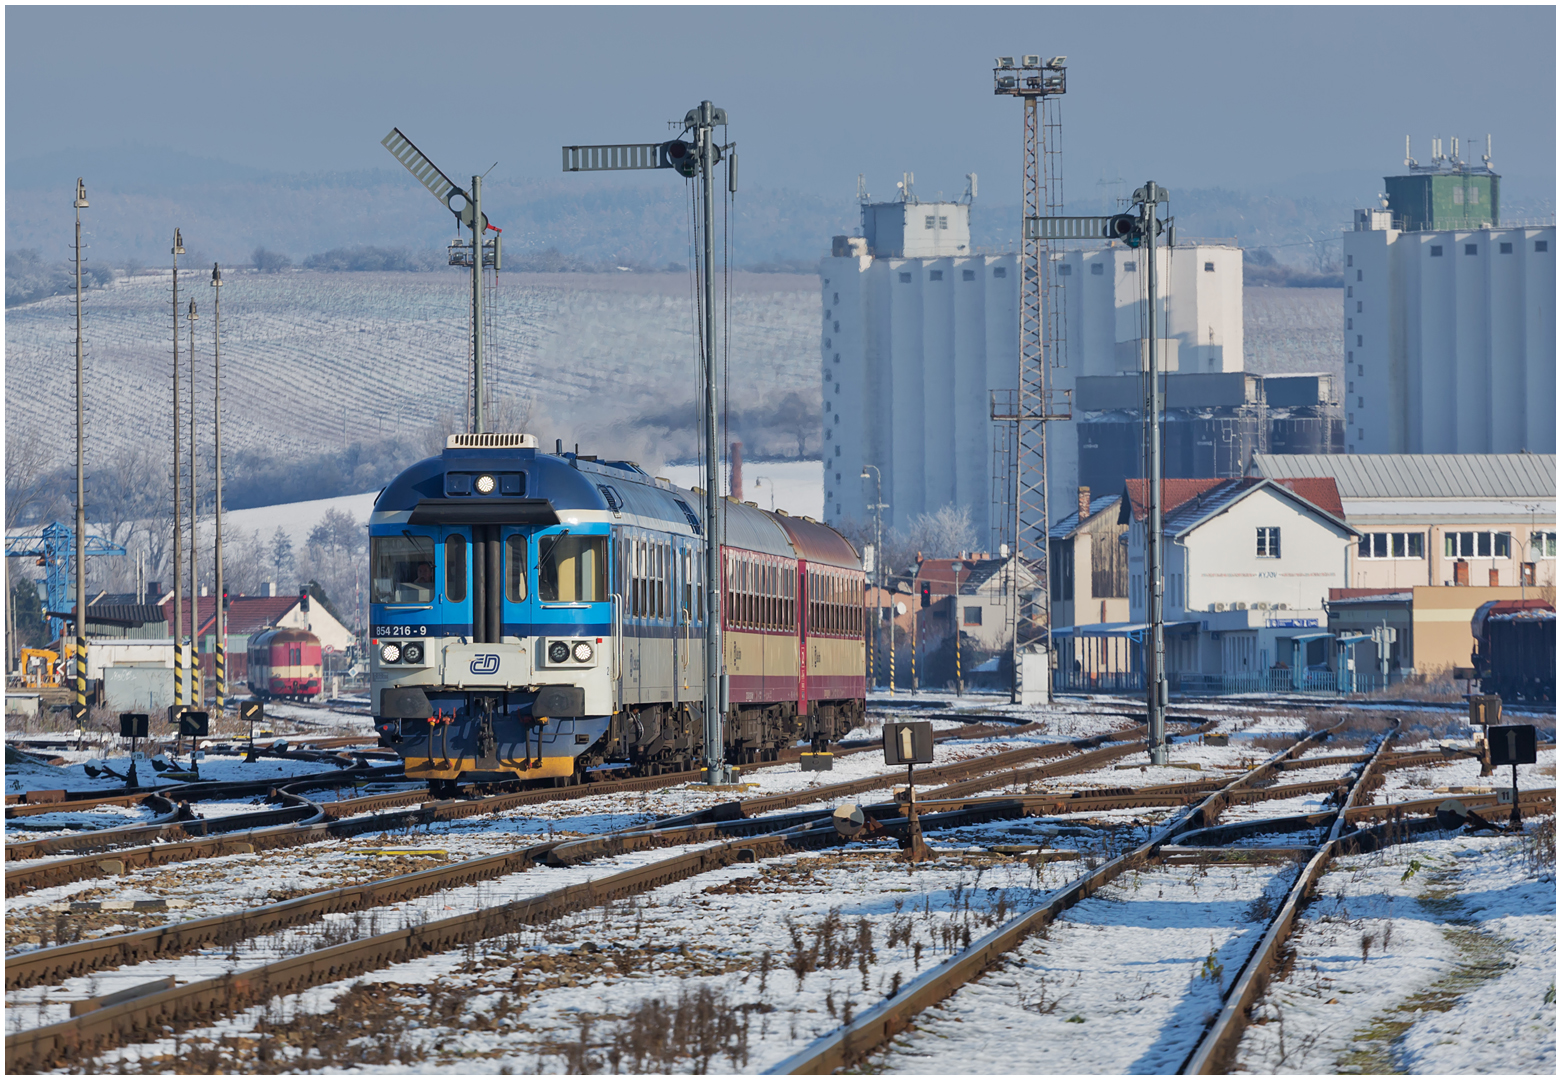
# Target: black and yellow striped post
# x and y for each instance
(178, 672)
(197, 684)
(891, 648)
(222, 677)
(80, 712)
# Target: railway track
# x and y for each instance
(162, 844)
(852, 1042)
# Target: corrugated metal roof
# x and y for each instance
(1421, 476)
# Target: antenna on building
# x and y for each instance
(970, 187)
(1487, 157)
(1454, 156)
(1409, 162)
(861, 188)
(907, 187)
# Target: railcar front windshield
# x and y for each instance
(571, 569)
(403, 569)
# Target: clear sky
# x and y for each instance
(1244, 97)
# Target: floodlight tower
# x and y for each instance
(690, 160)
(482, 253)
(178, 525)
(221, 626)
(1034, 82)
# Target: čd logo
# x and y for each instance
(485, 664)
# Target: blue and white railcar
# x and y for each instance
(534, 615)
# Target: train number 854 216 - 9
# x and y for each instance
(400, 631)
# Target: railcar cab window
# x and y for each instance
(515, 569)
(571, 569)
(455, 568)
(403, 569)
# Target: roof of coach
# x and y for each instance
(818, 543)
(282, 634)
(752, 529)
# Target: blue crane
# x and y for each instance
(55, 550)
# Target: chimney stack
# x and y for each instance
(737, 471)
(1083, 503)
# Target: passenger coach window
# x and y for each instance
(455, 569)
(572, 568)
(403, 569)
(515, 568)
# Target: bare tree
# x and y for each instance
(28, 496)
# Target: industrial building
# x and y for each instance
(1440, 519)
(920, 330)
(1213, 424)
(1449, 319)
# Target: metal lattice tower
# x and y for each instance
(1041, 344)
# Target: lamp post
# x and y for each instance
(878, 568)
(81, 495)
(179, 697)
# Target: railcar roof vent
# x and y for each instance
(490, 440)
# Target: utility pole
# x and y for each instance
(216, 408)
(1140, 228)
(81, 489)
(477, 238)
(197, 687)
(691, 160)
(179, 697)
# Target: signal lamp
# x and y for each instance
(486, 484)
(582, 652)
(680, 155)
(390, 652)
(412, 653)
(558, 652)
(1124, 227)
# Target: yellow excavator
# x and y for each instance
(43, 669)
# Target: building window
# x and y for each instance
(1542, 545)
(972, 616)
(1350, 291)
(1392, 546)
(1541, 245)
(935, 275)
(1208, 268)
(1352, 390)
(1360, 369)
(1349, 260)
(1268, 543)
(1436, 251)
(837, 358)
(1360, 305)
(1349, 324)
(837, 326)
(1064, 270)
(905, 277)
(1477, 545)
(1129, 267)
(1350, 356)
(1360, 402)
(1097, 269)
(1506, 249)
(829, 343)
(943, 222)
(1350, 419)
(932, 222)
(999, 271)
(967, 275)
(1358, 276)
(1471, 249)
(1359, 341)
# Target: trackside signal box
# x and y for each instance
(250, 711)
(1484, 709)
(1513, 744)
(134, 725)
(908, 743)
(193, 723)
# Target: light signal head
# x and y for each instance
(1124, 227)
(680, 155)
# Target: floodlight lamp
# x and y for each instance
(193, 316)
(864, 474)
(1056, 61)
(81, 194)
(1005, 62)
(216, 276)
(178, 243)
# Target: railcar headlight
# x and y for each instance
(558, 652)
(413, 653)
(582, 652)
(390, 652)
(486, 484)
